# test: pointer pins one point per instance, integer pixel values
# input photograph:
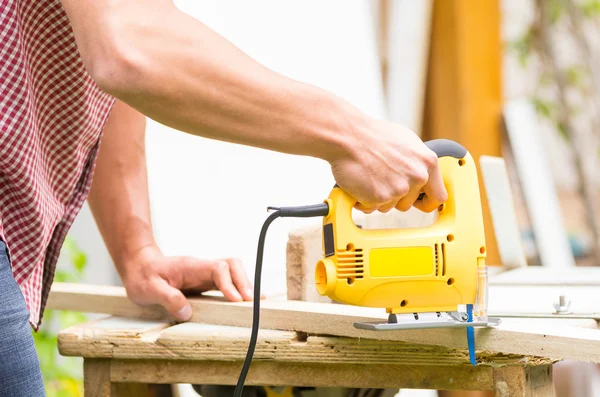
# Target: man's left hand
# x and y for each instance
(153, 278)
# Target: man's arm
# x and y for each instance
(179, 72)
(119, 202)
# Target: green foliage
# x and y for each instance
(522, 46)
(590, 8)
(556, 10)
(575, 75)
(543, 107)
(62, 375)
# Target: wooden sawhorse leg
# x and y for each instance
(514, 381)
(534, 381)
(96, 374)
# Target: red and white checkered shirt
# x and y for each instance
(51, 120)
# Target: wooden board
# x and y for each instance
(557, 339)
(118, 337)
(502, 209)
(537, 184)
(540, 276)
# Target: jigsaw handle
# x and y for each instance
(446, 147)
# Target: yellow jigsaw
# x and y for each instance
(425, 277)
(429, 277)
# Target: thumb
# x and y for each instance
(174, 301)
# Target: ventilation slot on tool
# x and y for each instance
(443, 259)
(437, 262)
(350, 263)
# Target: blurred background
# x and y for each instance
(445, 68)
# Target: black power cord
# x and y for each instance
(307, 211)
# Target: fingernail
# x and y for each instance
(249, 292)
(185, 313)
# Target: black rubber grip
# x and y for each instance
(446, 147)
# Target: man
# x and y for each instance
(78, 77)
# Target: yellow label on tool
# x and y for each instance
(401, 261)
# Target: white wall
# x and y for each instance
(209, 198)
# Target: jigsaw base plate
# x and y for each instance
(427, 320)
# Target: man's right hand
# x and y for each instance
(388, 167)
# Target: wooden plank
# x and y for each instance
(540, 276)
(557, 339)
(192, 341)
(537, 184)
(543, 289)
(464, 92)
(305, 374)
(528, 299)
(502, 209)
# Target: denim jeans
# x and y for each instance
(20, 373)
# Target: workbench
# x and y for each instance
(123, 355)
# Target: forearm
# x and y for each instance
(179, 72)
(119, 194)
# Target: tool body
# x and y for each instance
(424, 277)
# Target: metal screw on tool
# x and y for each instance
(562, 306)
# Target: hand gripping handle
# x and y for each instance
(444, 148)
(341, 201)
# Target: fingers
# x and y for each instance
(240, 280)
(387, 207)
(222, 278)
(173, 301)
(435, 192)
(227, 275)
(366, 208)
(409, 200)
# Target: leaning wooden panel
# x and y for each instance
(464, 85)
(557, 339)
